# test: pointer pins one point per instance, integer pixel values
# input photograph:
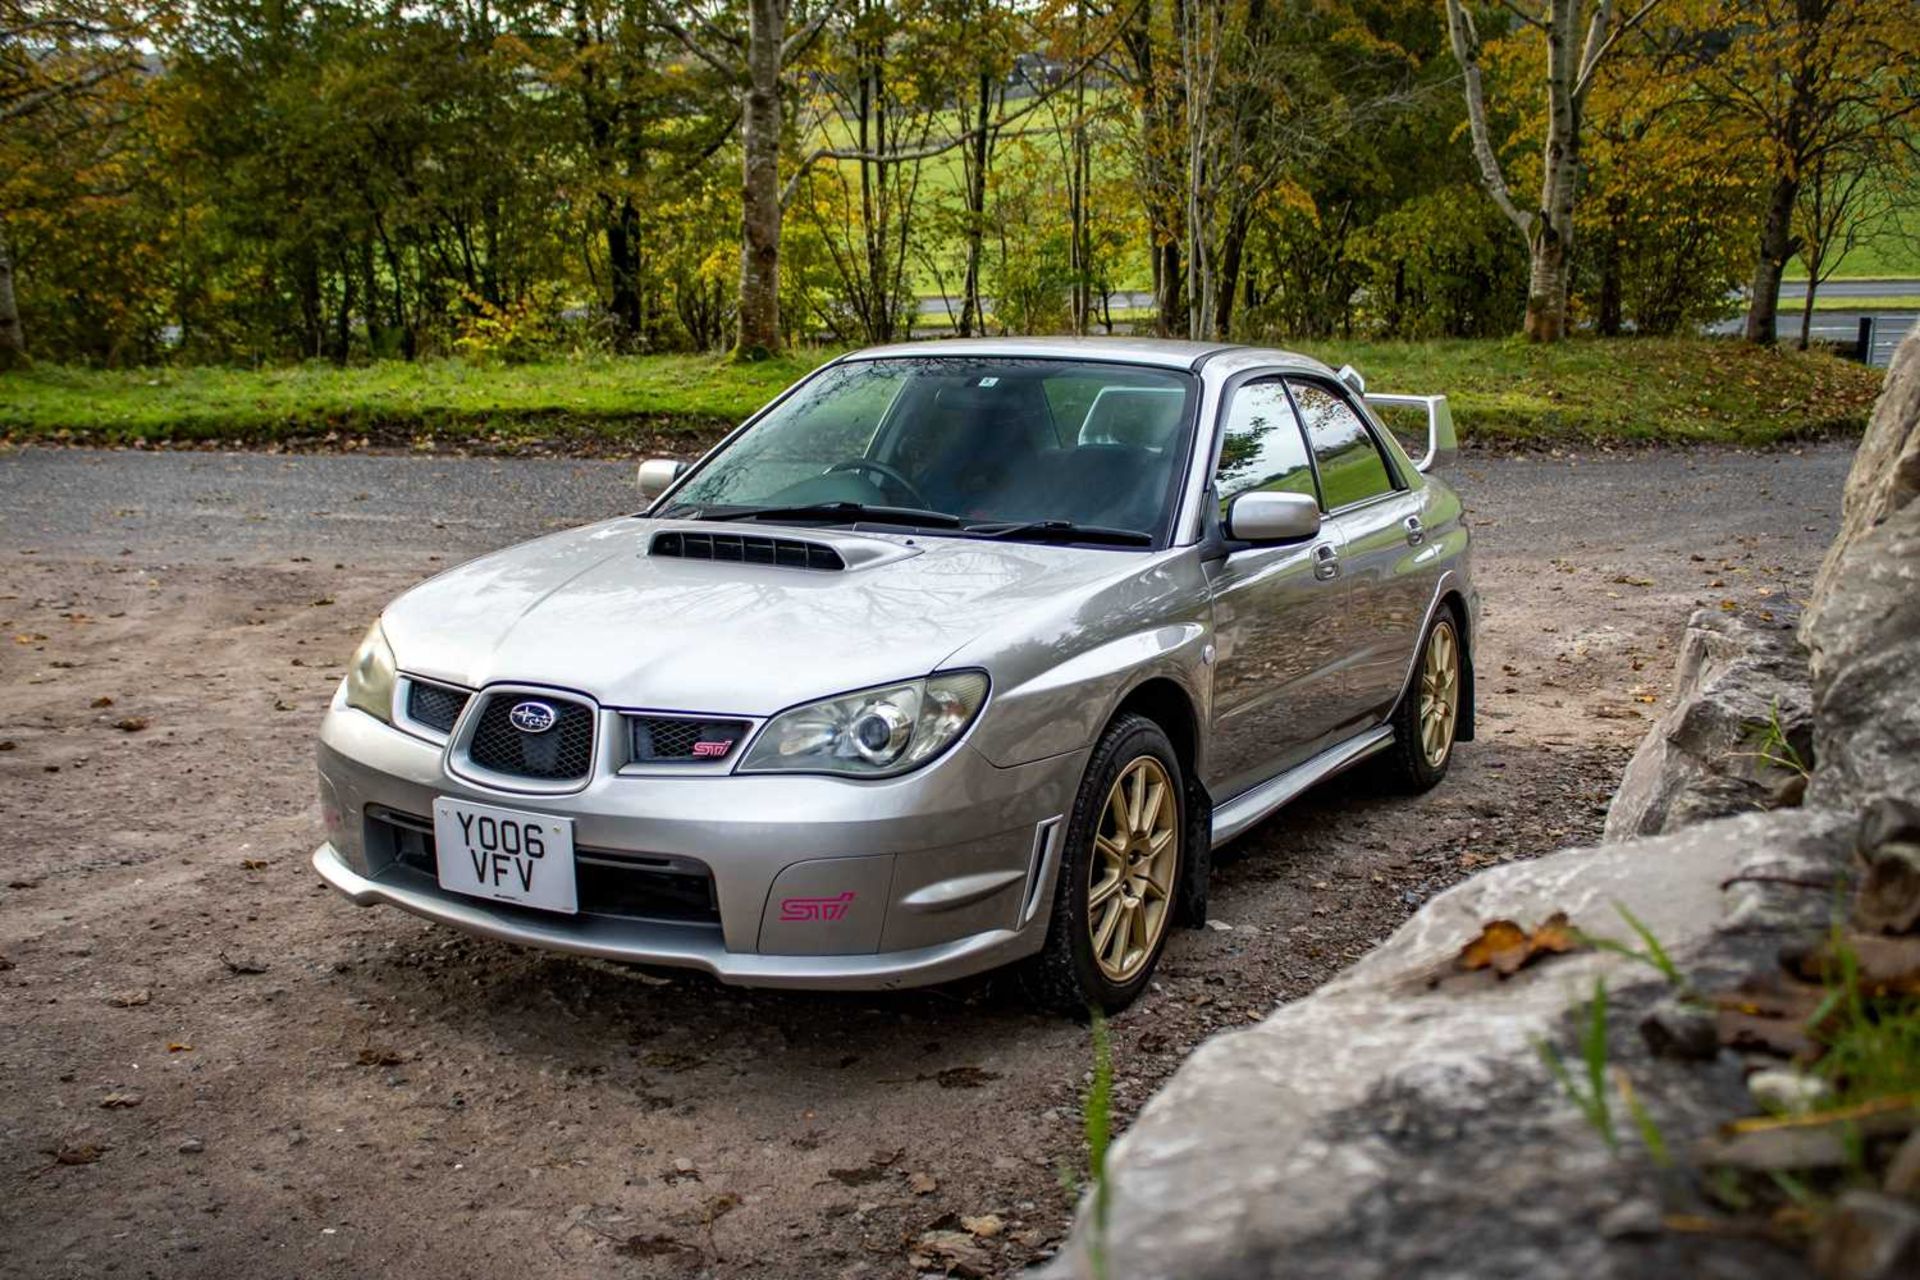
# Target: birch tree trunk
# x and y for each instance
(760, 183)
(1571, 66)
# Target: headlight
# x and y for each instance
(872, 734)
(370, 676)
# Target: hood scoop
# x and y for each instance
(829, 554)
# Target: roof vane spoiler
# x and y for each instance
(1442, 444)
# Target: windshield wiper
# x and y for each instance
(837, 511)
(1060, 531)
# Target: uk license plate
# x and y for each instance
(508, 855)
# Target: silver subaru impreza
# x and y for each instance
(957, 655)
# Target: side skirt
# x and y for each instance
(1249, 807)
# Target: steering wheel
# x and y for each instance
(885, 472)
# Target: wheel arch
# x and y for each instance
(1456, 603)
(1451, 596)
(1169, 704)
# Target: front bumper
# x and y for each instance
(948, 870)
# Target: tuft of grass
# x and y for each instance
(1771, 746)
(1591, 1095)
(1649, 953)
(1504, 392)
(1097, 1116)
(1872, 1041)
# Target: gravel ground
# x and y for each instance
(214, 1067)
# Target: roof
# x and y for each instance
(1163, 353)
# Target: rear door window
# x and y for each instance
(1351, 467)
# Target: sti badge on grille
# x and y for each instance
(532, 717)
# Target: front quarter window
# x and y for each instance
(1261, 447)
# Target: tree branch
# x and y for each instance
(796, 43)
(730, 69)
(1590, 61)
(1466, 50)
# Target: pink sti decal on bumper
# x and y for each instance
(793, 910)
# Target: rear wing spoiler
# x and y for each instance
(1442, 444)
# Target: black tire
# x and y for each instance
(1410, 761)
(1065, 977)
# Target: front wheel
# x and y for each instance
(1423, 727)
(1120, 868)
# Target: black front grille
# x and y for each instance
(657, 738)
(562, 753)
(629, 885)
(435, 706)
(747, 548)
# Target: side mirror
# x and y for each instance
(1351, 376)
(656, 474)
(1273, 517)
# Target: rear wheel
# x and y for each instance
(1424, 725)
(1120, 869)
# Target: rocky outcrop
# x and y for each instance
(1885, 477)
(1865, 658)
(1738, 738)
(1402, 1120)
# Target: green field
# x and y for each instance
(1503, 392)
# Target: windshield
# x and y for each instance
(982, 441)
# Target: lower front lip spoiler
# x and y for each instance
(686, 946)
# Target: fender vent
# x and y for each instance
(746, 548)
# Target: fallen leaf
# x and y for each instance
(986, 1225)
(102, 701)
(720, 1206)
(131, 724)
(1505, 947)
(130, 999)
(179, 1046)
(118, 1101)
(375, 1056)
(957, 1252)
(1882, 966)
(253, 864)
(922, 1184)
(77, 1153)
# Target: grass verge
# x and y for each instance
(1508, 392)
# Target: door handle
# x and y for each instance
(1416, 532)
(1326, 561)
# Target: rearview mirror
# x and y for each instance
(1273, 517)
(656, 474)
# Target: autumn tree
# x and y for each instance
(1578, 35)
(1821, 88)
(60, 61)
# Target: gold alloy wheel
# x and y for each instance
(1136, 849)
(1439, 693)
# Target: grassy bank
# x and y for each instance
(1502, 392)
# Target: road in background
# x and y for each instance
(1828, 326)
